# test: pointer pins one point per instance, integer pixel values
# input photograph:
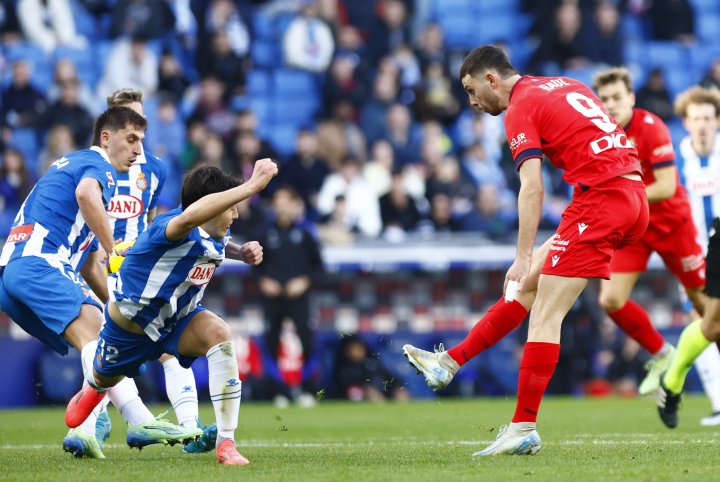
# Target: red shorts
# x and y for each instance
(598, 222)
(679, 249)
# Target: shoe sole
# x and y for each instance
(139, 443)
(76, 448)
(420, 371)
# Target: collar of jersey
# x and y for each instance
(102, 152)
(204, 233)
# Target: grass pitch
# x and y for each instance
(607, 439)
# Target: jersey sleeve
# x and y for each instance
(660, 146)
(104, 174)
(161, 173)
(523, 136)
(157, 228)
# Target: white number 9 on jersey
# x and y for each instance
(587, 107)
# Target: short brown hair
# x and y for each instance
(115, 118)
(697, 95)
(124, 96)
(612, 75)
(484, 58)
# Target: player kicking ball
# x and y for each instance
(155, 308)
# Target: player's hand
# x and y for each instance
(263, 171)
(270, 287)
(297, 287)
(252, 253)
(517, 273)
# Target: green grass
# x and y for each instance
(608, 439)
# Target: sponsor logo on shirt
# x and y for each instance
(615, 140)
(554, 260)
(704, 186)
(141, 182)
(553, 84)
(200, 274)
(582, 227)
(559, 244)
(664, 150)
(692, 262)
(111, 181)
(517, 141)
(18, 234)
(124, 206)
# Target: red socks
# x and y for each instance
(500, 320)
(634, 321)
(536, 368)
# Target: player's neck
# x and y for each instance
(508, 85)
(703, 149)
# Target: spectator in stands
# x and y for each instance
(22, 104)
(489, 216)
(333, 231)
(447, 177)
(343, 82)
(131, 65)
(408, 69)
(221, 15)
(563, 47)
(340, 136)
(712, 76)
(403, 135)
(308, 42)
(363, 210)
(435, 99)
(197, 133)
(68, 110)
(374, 111)
(213, 153)
(378, 170)
(9, 25)
(252, 222)
(306, 171)
(49, 23)
(654, 95)
(16, 182)
(389, 29)
(349, 42)
(59, 142)
(64, 72)
(291, 263)
(150, 19)
(212, 109)
(672, 20)
(171, 76)
(430, 49)
(473, 127)
(398, 210)
(481, 168)
(360, 375)
(247, 121)
(442, 218)
(246, 149)
(167, 137)
(605, 42)
(224, 64)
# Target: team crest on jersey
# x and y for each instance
(124, 206)
(141, 182)
(111, 181)
(200, 274)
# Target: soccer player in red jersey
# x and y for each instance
(564, 120)
(671, 231)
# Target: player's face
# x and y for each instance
(218, 226)
(482, 92)
(701, 121)
(123, 146)
(618, 101)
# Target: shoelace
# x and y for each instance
(439, 349)
(502, 431)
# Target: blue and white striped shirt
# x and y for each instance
(161, 281)
(701, 177)
(137, 192)
(50, 224)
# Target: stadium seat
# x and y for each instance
(490, 29)
(26, 141)
(263, 27)
(297, 110)
(84, 21)
(677, 81)
(295, 82)
(666, 55)
(283, 138)
(259, 82)
(494, 7)
(583, 74)
(266, 54)
(707, 26)
(83, 61)
(460, 30)
(260, 105)
(455, 7)
(633, 28)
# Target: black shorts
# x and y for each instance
(712, 262)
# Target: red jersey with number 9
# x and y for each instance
(563, 119)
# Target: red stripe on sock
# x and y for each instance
(536, 368)
(635, 321)
(500, 320)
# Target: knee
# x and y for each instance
(711, 329)
(218, 333)
(611, 302)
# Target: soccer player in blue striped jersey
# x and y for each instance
(699, 166)
(155, 298)
(58, 223)
(132, 209)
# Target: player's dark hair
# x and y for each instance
(484, 58)
(612, 75)
(203, 180)
(114, 119)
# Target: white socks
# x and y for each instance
(87, 355)
(125, 397)
(182, 393)
(225, 387)
(708, 367)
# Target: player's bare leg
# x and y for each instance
(208, 335)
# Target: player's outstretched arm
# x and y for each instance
(250, 252)
(664, 185)
(95, 275)
(89, 197)
(212, 205)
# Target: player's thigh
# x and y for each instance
(196, 334)
(555, 297)
(54, 293)
(85, 328)
(683, 255)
